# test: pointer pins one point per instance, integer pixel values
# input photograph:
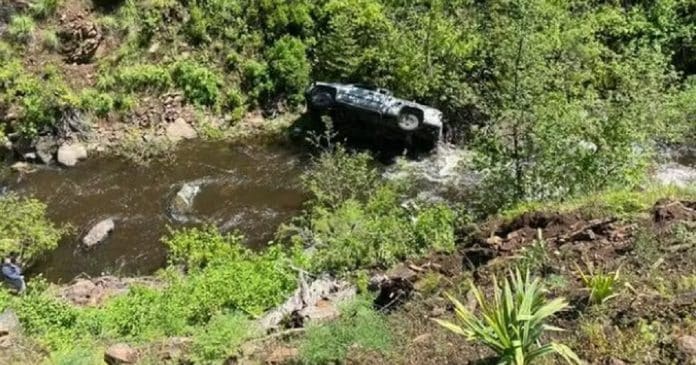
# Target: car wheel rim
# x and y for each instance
(408, 121)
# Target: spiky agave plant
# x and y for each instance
(511, 325)
(602, 286)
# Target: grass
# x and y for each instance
(359, 328)
(618, 202)
(21, 29)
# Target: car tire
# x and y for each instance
(321, 100)
(408, 120)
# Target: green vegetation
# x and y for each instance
(512, 324)
(602, 286)
(21, 29)
(561, 103)
(355, 220)
(359, 327)
(25, 229)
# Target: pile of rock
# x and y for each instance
(80, 38)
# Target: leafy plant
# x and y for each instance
(194, 248)
(200, 84)
(512, 324)
(337, 176)
(25, 229)
(602, 286)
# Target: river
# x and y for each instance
(247, 188)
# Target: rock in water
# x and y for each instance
(180, 130)
(183, 201)
(99, 232)
(70, 154)
(120, 353)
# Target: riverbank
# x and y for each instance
(645, 247)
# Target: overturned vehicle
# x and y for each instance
(363, 112)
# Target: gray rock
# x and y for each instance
(70, 154)
(687, 345)
(99, 232)
(46, 147)
(120, 353)
(9, 323)
(182, 204)
(179, 130)
(21, 166)
(675, 174)
(30, 156)
(313, 301)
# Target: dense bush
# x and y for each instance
(289, 67)
(356, 220)
(25, 229)
(201, 86)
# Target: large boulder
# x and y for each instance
(182, 204)
(99, 232)
(179, 130)
(687, 345)
(70, 153)
(80, 38)
(9, 327)
(46, 147)
(314, 301)
(120, 353)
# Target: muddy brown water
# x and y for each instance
(247, 188)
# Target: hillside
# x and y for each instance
(562, 195)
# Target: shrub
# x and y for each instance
(99, 103)
(512, 324)
(141, 77)
(377, 233)
(289, 67)
(194, 248)
(201, 86)
(359, 326)
(24, 228)
(257, 81)
(337, 176)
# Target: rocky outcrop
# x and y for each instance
(313, 301)
(180, 130)
(99, 232)
(93, 292)
(9, 327)
(80, 38)
(120, 353)
(687, 345)
(70, 153)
